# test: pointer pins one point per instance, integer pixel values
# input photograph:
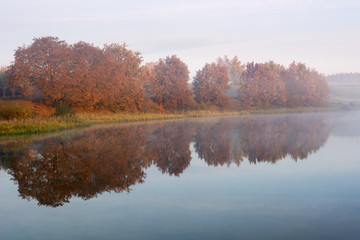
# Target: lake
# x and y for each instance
(294, 176)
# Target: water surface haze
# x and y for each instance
(294, 176)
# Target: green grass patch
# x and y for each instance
(37, 125)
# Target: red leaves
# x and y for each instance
(79, 75)
(305, 87)
(84, 76)
(211, 85)
(270, 84)
(169, 83)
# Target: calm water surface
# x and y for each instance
(254, 177)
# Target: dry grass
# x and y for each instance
(37, 125)
(48, 124)
(44, 124)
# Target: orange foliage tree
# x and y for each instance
(262, 85)
(122, 79)
(305, 86)
(271, 84)
(84, 76)
(235, 69)
(169, 84)
(79, 75)
(42, 69)
(211, 85)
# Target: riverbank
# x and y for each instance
(50, 124)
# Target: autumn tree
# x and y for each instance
(86, 74)
(211, 84)
(278, 87)
(79, 75)
(148, 72)
(3, 76)
(106, 78)
(262, 85)
(304, 86)
(122, 79)
(235, 69)
(42, 69)
(169, 84)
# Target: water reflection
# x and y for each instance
(260, 140)
(93, 161)
(168, 146)
(83, 165)
(344, 124)
(272, 140)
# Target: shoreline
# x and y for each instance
(56, 124)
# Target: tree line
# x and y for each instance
(84, 76)
(3, 70)
(353, 78)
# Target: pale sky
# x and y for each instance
(324, 34)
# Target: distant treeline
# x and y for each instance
(84, 76)
(344, 78)
(6, 91)
(3, 76)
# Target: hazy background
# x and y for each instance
(323, 33)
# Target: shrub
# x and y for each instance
(150, 106)
(63, 110)
(206, 107)
(236, 104)
(15, 111)
(40, 109)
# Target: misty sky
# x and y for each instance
(325, 34)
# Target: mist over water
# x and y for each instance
(345, 124)
(294, 175)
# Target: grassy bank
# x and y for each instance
(50, 124)
(38, 125)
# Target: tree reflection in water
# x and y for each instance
(82, 166)
(168, 146)
(260, 140)
(115, 158)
